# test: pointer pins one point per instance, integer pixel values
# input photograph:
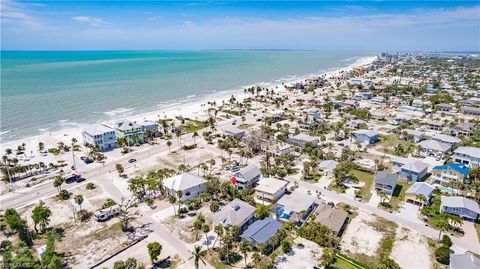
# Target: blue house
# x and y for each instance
(411, 170)
(261, 230)
(460, 206)
(450, 172)
(366, 136)
(431, 89)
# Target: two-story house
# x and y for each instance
(246, 177)
(366, 136)
(101, 136)
(450, 172)
(465, 208)
(467, 155)
(132, 131)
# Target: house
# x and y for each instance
(310, 119)
(470, 110)
(301, 140)
(276, 148)
(411, 170)
(366, 136)
(237, 212)
(295, 207)
(189, 184)
(386, 182)
(101, 136)
(234, 132)
(276, 115)
(467, 155)
(434, 148)
(450, 172)
(425, 189)
(434, 125)
(270, 189)
(444, 107)
(461, 206)
(464, 261)
(412, 135)
(419, 103)
(366, 95)
(261, 230)
(378, 99)
(247, 176)
(378, 115)
(327, 166)
(149, 126)
(447, 139)
(130, 130)
(334, 219)
(356, 123)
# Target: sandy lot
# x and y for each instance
(305, 256)
(410, 249)
(182, 228)
(360, 237)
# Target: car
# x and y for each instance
(87, 160)
(259, 119)
(80, 179)
(83, 158)
(132, 160)
(234, 122)
(72, 178)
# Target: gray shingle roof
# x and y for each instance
(183, 181)
(434, 145)
(237, 212)
(261, 230)
(98, 129)
(420, 188)
(464, 261)
(368, 133)
(470, 151)
(460, 202)
(328, 165)
(331, 217)
(247, 173)
(386, 178)
(296, 201)
(446, 138)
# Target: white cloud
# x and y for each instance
(93, 21)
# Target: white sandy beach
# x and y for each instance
(193, 109)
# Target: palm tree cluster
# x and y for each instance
(150, 185)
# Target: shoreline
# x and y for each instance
(189, 109)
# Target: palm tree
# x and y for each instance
(194, 135)
(79, 200)
(173, 200)
(169, 144)
(420, 197)
(197, 255)
(244, 248)
(57, 183)
(206, 228)
(442, 225)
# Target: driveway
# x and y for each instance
(470, 232)
(410, 211)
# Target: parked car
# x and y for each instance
(80, 179)
(132, 160)
(87, 160)
(72, 178)
(234, 122)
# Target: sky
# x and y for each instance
(314, 25)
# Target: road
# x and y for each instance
(428, 231)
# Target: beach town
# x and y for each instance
(371, 166)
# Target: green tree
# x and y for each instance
(57, 183)
(198, 255)
(79, 200)
(154, 250)
(120, 169)
(446, 240)
(41, 215)
(262, 212)
(442, 254)
(245, 247)
(327, 258)
(16, 223)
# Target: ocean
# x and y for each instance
(45, 91)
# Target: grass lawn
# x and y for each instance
(399, 194)
(193, 126)
(387, 144)
(367, 178)
(342, 263)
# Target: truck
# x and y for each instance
(107, 213)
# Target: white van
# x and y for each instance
(107, 213)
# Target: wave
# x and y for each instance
(118, 111)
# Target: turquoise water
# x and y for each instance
(43, 91)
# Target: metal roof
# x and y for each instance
(261, 230)
(237, 212)
(460, 202)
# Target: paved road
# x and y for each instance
(428, 231)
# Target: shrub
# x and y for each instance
(108, 203)
(442, 254)
(149, 201)
(90, 186)
(446, 240)
(189, 147)
(63, 195)
(84, 215)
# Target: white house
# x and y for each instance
(467, 155)
(270, 189)
(101, 136)
(189, 184)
